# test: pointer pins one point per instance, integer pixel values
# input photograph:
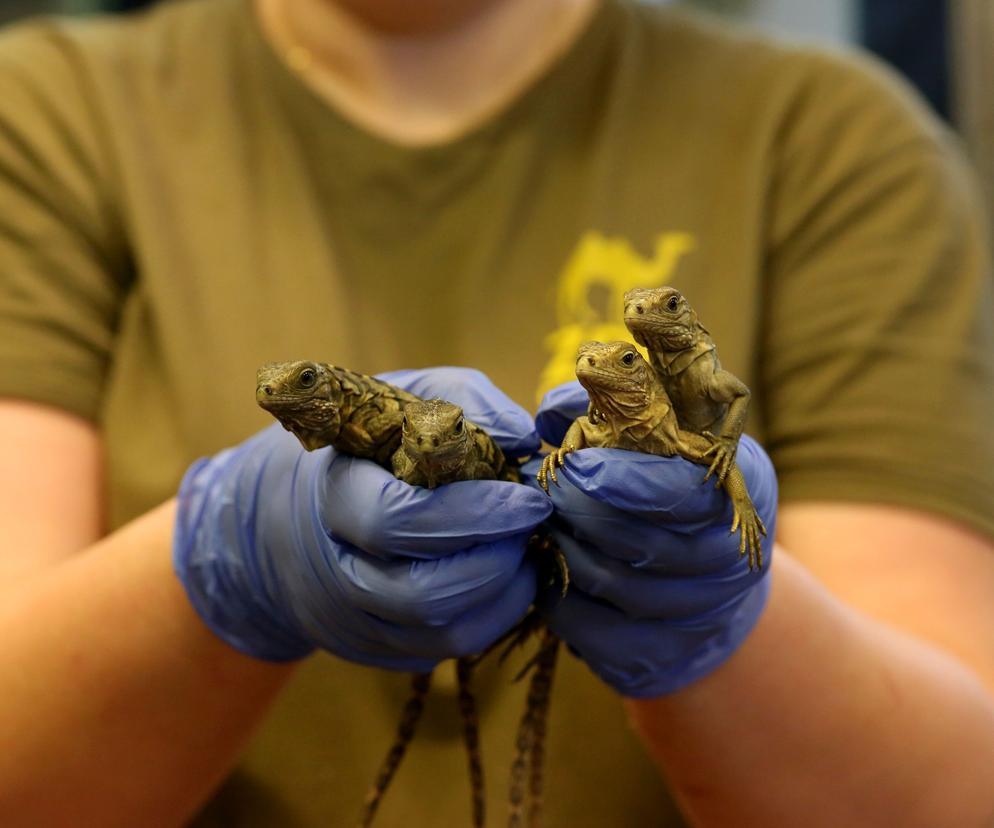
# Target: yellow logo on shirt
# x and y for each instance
(589, 294)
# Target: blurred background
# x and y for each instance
(945, 47)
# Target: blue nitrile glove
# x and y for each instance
(658, 595)
(282, 551)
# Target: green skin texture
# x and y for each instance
(324, 405)
(425, 443)
(634, 412)
(707, 399)
(439, 445)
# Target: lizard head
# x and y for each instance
(305, 397)
(436, 436)
(616, 376)
(661, 319)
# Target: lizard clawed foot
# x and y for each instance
(751, 532)
(723, 449)
(555, 458)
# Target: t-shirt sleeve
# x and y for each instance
(63, 265)
(877, 363)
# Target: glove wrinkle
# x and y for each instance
(405, 522)
(462, 579)
(282, 551)
(659, 594)
(641, 594)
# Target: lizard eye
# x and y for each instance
(458, 428)
(673, 304)
(628, 358)
(307, 377)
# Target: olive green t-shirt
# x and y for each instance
(176, 208)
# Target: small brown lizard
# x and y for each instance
(440, 446)
(634, 413)
(425, 443)
(707, 399)
(324, 405)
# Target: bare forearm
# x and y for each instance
(825, 717)
(119, 706)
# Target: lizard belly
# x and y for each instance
(696, 411)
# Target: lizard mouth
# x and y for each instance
(605, 378)
(442, 459)
(293, 406)
(271, 400)
(264, 395)
(614, 392)
(675, 336)
(312, 421)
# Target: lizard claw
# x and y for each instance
(751, 531)
(555, 458)
(540, 477)
(543, 474)
(723, 449)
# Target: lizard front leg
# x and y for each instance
(745, 518)
(727, 388)
(573, 441)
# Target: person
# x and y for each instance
(205, 187)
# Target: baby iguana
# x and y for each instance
(439, 446)
(634, 413)
(324, 405)
(706, 399)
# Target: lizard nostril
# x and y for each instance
(268, 389)
(639, 309)
(590, 361)
(434, 440)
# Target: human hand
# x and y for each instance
(659, 595)
(283, 550)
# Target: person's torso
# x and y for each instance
(264, 228)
